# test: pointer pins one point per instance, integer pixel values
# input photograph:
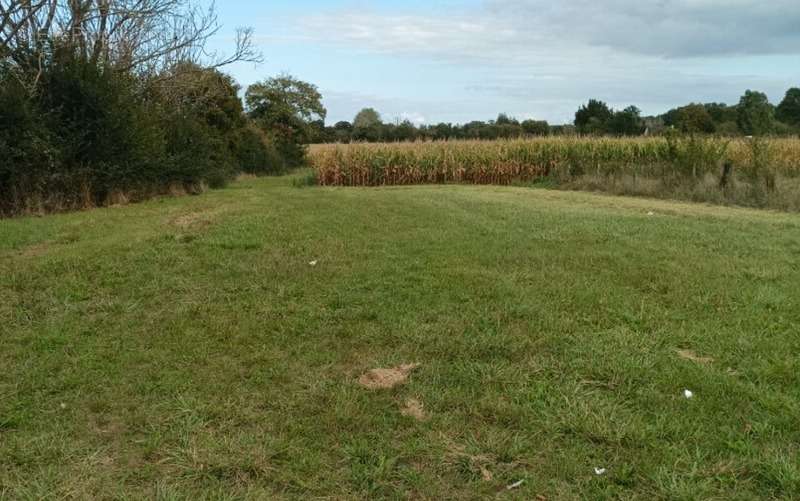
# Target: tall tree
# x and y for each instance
(627, 122)
(144, 36)
(286, 108)
(756, 116)
(367, 118)
(593, 117)
(695, 118)
(789, 110)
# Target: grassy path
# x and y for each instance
(185, 348)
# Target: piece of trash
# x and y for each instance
(376, 379)
(313, 263)
(599, 471)
(515, 484)
(694, 357)
(63, 405)
(651, 213)
(688, 393)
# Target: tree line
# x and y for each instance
(753, 115)
(103, 101)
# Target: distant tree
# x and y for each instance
(443, 131)
(504, 119)
(755, 115)
(627, 122)
(721, 113)
(695, 118)
(788, 111)
(285, 108)
(343, 125)
(405, 131)
(593, 117)
(536, 127)
(366, 118)
(341, 132)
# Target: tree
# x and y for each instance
(536, 127)
(286, 108)
(695, 118)
(141, 36)
(366, 118)
(755, 115)
(504, 119)
(627, 122)
(788, 111)
(593, 118)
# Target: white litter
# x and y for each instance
(599, 471)
(688, 393)
(313, 263)
(515, 484)
(63, 405)
(651, 213)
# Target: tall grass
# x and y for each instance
(756, 172)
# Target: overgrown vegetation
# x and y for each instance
(109, 101)
(755, 172)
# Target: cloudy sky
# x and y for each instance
(457, 61)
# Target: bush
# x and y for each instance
(255, 154)
(91, 135)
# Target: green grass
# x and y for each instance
(185, 349)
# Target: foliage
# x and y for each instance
(366, 118)
(756, 115)
(627, 122)
(695, 118)
(593, 117)
(91, 135)
(536, 127)
(286, 109)
(788, 110)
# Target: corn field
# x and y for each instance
(525, 160)
(757, 172)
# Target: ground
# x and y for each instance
(186, 348)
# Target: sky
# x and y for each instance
(462, 60)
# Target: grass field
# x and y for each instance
(186, 349)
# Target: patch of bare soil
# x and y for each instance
(694, 357)
(380, 379)
(413, 408)
(194, 220)
(35, 250)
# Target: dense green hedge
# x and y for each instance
(86, 136)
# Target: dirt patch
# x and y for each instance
(413, 408)
(379, 379)
(193, 220)
(694, 357)
(35, 250)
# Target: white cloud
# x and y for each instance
(543, 57)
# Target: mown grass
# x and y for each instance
(184, 348)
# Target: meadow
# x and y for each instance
(744, 171)
(216, 346)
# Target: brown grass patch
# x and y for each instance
(379, 379)
(694, 357)
(413, 408)
(194, 220)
